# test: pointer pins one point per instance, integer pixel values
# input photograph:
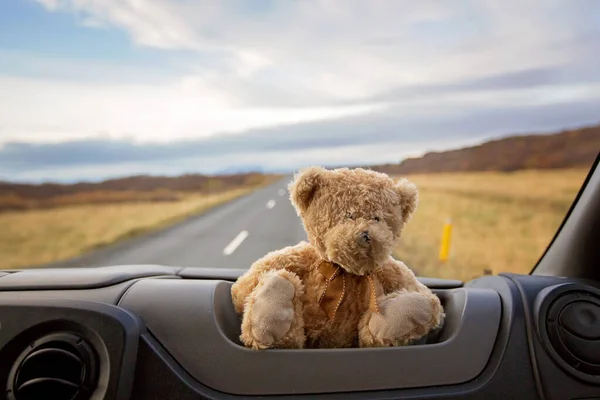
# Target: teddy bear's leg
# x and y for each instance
(273, 312)
(403, 318)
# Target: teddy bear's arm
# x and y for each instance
(295, 259)
(395, 275)
(408, 310)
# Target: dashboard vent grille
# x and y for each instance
(574, 330)
(59, 366)
(568, 324)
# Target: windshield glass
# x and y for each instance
(166, 131)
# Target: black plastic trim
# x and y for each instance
(573, 251)
(506, 376)
(80, 278)
(231, 274)
(109, 294)
(582, 189)
(529, 325)
(93, 278)
(556, 383)
(198, 323)
(226, 274)
(111, 331)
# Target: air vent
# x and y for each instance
(574, 330)
(569, 326)
(60, 366)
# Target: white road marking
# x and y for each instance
(235, 243)
(271, 203)
(281, 192)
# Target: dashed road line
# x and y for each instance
(230, 248)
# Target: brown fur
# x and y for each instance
(337, 208)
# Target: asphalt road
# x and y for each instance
(232, 235)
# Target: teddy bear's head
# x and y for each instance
(353, 216)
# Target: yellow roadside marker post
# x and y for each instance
(445, 245)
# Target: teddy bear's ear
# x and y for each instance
(304, 186)
(408, 197)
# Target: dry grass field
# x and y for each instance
(501, 222)
(44, 235)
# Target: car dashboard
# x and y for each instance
(160, 332)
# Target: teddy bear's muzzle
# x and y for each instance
(365, 237)
(358, 248)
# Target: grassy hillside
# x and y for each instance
(568, 149)
(502, 222)
(141, 189)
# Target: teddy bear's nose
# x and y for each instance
(364, 236)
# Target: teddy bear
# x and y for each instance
(341, 288)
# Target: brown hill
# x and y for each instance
(16, 196)
(567, 149)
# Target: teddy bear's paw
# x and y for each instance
(405, 317)
(272, 313)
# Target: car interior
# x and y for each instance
(167, 332)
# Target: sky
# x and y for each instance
(92, 89)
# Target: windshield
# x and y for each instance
(167, 131)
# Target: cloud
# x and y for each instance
(160, 113)
(351, 50)
(286, 83)
(562, 81)
(386, 136)
(151, 23)
(51, 5)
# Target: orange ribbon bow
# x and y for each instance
(335, 288)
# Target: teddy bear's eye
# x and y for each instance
(349, 215)
(377, 219)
